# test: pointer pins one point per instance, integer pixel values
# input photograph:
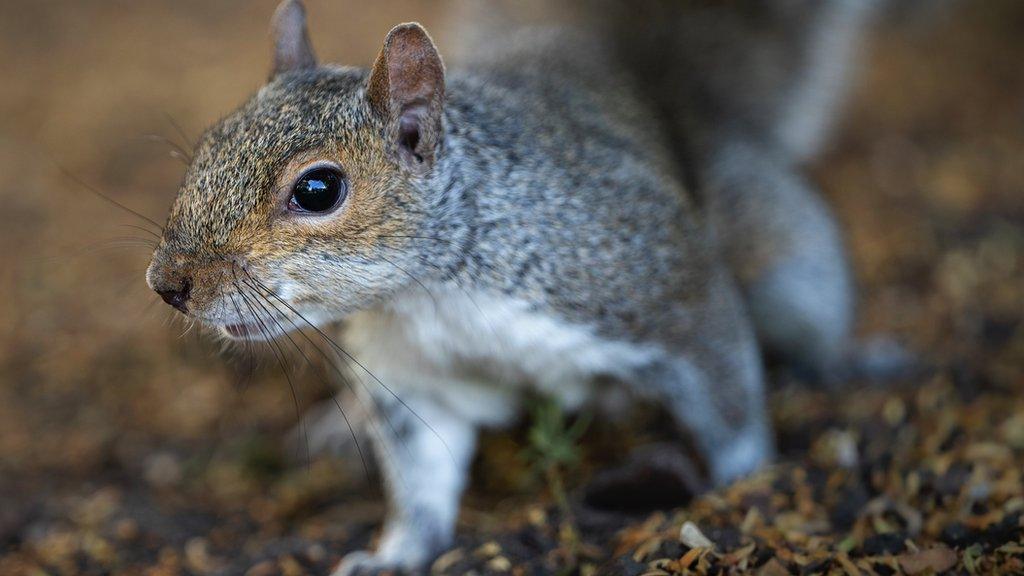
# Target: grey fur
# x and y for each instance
(750, 89)
(554, 184)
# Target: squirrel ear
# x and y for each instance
(292, 49)
(406, 88)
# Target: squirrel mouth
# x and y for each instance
(249, 331)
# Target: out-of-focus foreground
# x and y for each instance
(127, 444)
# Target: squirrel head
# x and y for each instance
(313, 199)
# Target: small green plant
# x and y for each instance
(553, 445)
(553, 450)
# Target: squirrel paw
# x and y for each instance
(401, 552)
(881, 359)
(365, 563)
(877, 361)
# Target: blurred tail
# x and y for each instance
(880, 359)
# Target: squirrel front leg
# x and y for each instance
(424, 451)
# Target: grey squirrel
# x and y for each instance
(591, 215)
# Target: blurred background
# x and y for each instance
(130, 444)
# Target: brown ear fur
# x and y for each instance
(406, 88)
(292, 48)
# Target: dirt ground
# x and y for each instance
(129, 445)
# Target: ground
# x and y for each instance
(127, 447)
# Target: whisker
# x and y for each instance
(327, 358)
(132, 239)
(279, 354)
(144, 313)
(68, 174)
(141, 229)
(103, 247)
(414, 279)
(128, 282)
(330, 362)
(91, 250)
(169, 317)
(348, 423)
(355, 361)
(181, 132)
(189, 325)
(455, 281)
(248, 346)
(177, 152)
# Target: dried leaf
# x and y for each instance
(848, 566)
(773, 568)
(937, 559)
(690, 557)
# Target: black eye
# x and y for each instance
(318, 190)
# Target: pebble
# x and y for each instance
(488, 549)
(265, 568)
(198, 557)
(126, 529)
(499, 564)
(691, 536)
(162, 470)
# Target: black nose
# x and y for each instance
(177, 297)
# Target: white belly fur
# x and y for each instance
(477, 353)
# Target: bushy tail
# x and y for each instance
(772, 69)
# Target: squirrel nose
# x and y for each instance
(177, 297)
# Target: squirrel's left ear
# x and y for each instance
(406, 88)
(292, 48)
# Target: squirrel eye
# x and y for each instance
(319, 190)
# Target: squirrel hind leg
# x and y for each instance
(804, 317)
(803, 313)
(715, 395)
(786, 250)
